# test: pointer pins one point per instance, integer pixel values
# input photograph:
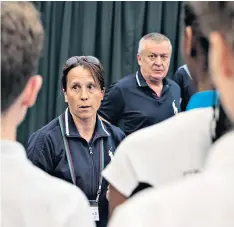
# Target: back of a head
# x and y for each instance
(218, 17)
(198, 56)
(21, 44)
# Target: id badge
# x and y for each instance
(94, 210)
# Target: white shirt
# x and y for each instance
(162, 153)
(30, 197)
(202, 200)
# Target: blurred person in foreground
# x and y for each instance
(176, 147)
(205, 199)
(77, 145)
(30, 197)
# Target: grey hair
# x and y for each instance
(157, 37)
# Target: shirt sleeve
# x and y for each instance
(40, 151)
(112, 106)
(120, 174)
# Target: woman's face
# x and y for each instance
(221, 61)
(83, 94)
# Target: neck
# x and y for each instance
(205, 84)
(8, 129)
(85, 127)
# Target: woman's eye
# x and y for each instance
(75, 87)
(91, 87)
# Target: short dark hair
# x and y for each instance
(188, 16)
(21, 44)
(216, 16)
(190, 19)
(88, 62)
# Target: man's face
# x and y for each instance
(154, 60)
(83, 94)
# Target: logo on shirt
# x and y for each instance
(174, 107)
(111, 154)
(191, 171)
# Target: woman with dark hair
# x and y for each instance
(77, 145)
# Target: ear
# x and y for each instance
(188, 40)
(139, 59)
(103, 92)
(31, 90)
(65, 95)
(221, 56)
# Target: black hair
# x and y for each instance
(190, 19)
(96, 70)
(220, 122)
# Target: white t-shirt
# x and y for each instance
(159, 154)
(32, 198)
(202, 200)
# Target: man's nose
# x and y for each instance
(158, 61)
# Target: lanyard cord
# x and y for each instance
(70, 161)
(101, 168)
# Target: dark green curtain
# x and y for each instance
(108, 30)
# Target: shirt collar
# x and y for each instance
(140, 79)
(71, 130)
(203, 99)
(142, 83)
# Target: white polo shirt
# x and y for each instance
(32, 198)
(202, 200)
(162, 153)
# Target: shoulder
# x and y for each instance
(113, 130)
(182, 122)
(173, 84)
(174, 135)
(66, 200)
(51, 128)
(158, 204)
(126, 81)
(48, 134)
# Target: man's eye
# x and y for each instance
(152, 57)
(164, 57)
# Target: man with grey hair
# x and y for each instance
(146, 97)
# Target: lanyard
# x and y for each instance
(70, 161)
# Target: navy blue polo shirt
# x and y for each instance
(46, 150)
(183, 78)
(132, 104)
